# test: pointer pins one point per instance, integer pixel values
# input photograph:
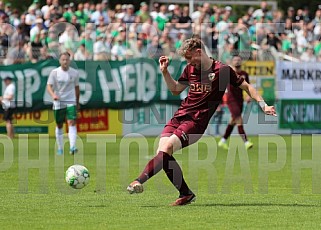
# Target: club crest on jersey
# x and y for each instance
(211, 76)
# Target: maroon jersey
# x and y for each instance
(206, 89)
(235, 94)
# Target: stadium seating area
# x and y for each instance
(97, 32)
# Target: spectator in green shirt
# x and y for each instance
(143, 12)
(317, 47)
(162, 18)
(70, 12)
(81, 15)
(285, 43)
(89, 44)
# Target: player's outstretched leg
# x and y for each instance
(152, 168)
(174, 173)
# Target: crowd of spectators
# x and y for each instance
(96, 32)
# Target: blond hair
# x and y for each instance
(64, 54)
(189, 45)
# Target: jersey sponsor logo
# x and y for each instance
(198, 87)
(211, 76)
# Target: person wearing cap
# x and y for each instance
(231, 17)
(197, 13)
(8, 104)
(70, 12)
(36, 6)
(36, 29)
(104, 4)
(143, 12)
(100, 48)
(171, 8)
(308, 55)
(290, 13)
(31, 16)
(118, 51)
(129, 16)
(7, 9)
(122, 12)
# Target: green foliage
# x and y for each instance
(311, 4)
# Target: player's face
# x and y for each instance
(64, 61)
(193, 58)
(7, 82)
(237, 62)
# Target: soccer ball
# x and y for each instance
(77, 176)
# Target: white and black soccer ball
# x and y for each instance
(77, 176)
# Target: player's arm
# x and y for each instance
(51, 92)
(77, 95)
(9, 97)
(251, 91)
(50, 88)
(248, 98)
(10, 94)
(174, 86)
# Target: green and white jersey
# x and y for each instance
(64, 83)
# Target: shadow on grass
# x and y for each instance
(98, 206)
(240, 205)
(255, 205)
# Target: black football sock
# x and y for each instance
(228, 131)
(152, 167)
(175, 175)
(242, 132)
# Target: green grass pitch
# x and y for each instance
(225, 199)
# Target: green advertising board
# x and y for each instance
(110, 84)
(300, 114)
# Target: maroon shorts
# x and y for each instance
(185, 128)
(236, 109)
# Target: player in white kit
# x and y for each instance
(8, 104)
(63, 86)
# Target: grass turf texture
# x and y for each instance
(105, 204)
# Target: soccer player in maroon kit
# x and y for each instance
(207, 80)
(235, 105)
